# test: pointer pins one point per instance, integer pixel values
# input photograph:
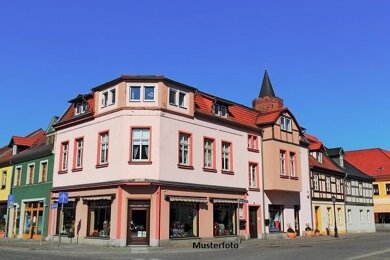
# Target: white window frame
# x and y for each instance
(361, 217)
(131, 99)
(14, 149)
(349, 216)
(341, 161)
(104, 99)
(348, 187)
(338, 185)
(339, 216)
(285, 124)
(18, 176)
(292, 164)
(79, 153)
(104, 144)
(29, 173)
(328, 184)
(64, 156)
(369, 216)
(40, 170)
(282, 162)
(182, 104)
(226, 156)
(208, 153)
(4, 179)
(140, 141)
(172, 92)
(184, 148)
(315, 182)
(144, 93)
(360, 187)
(108, 97)
(80, 108)
(221, 110)
(253, 175)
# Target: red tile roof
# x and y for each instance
(314, 143)
(374, 162)
(326, 164)
(28, 140)
(70, 112)
(270, 117)
(237, 113)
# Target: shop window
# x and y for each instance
(99, 218)
(225, 219)
(68, 219)
(183, 220)
(275, 218)
(3, 213)
(375, 188)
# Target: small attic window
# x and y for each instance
(81, 108)
(285, 123)
(341, 161)
(14, 149)
(220, 110)
(319, 157)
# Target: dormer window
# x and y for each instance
(341, 161)
(81, 108)
(319, 157)
(177, 98)
(285, 124)
(14, 149)
(220, 110)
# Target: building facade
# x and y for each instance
(6, 176)
(32, 161)
(375, 163)
(327, 184)
(359, 206)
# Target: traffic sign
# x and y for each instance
(63, 197)
(54, 206)
(11, 200)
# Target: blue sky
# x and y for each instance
(328, 60)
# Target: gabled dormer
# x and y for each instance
(80, 104)
(19, 143)
(337, 155)
(221, 108)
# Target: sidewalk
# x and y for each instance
(47, 245)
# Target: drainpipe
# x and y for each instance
(264, 235)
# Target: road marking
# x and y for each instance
(139, 250)
(371, 254)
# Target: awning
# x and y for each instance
(235, 201)
(97, 198)
(188, 199)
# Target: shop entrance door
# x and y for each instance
(296, 219)
(253, 221)
(317, 217)
(32, 223)
(138, 223)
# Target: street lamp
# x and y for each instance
(336, 234)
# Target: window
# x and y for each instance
(341, 161)
(43, 172)
(81, 108)
(329, 216)
(387, 188)
(339, 217)
(319, 157)
(183, 219)
(275, 218)
(184, 149)
(226, 156)
(104, 99)
(14, 149)
(285, 123)
(208, 153)
(103, 148)
(252, 142)
(64, 156)
(4, 180)
(30, 174)
(360, 189)
(224, 219)
(140, 138)
(99, 218)
(369, 216)
(148, 93)
(348, 187)
(113, 96)
(361, 217)
(349, 216)
(327, 181)
(375, 189)
(282, 162)
(338, 186)
(292, 164)
(18, 176)
(182, 99)
(3, 213)
(79, 146)
(172, 97)
(315, 182)
(135, 93)
(68, 219)
(220, 110)
(253, 169)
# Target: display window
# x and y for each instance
(68, 219)
(99, 218)
(275, 218)
(225, 219)
(183, 220)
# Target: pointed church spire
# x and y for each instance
(266, 86)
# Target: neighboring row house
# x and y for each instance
(375, 163)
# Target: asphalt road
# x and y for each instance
(374, 247)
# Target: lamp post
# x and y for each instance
(336, 234)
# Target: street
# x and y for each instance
(373, 246)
